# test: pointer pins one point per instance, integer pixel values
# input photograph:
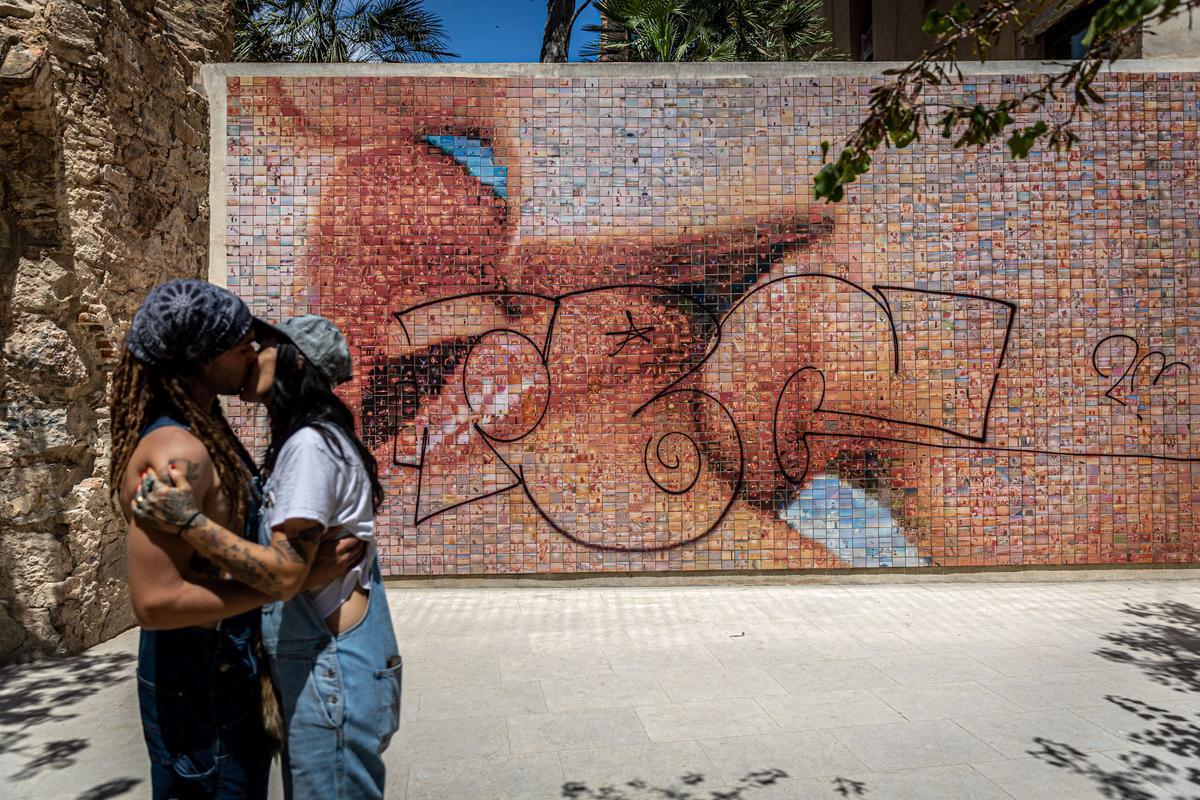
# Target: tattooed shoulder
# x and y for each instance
(190, 469)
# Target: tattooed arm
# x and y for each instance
(279, 570)
(164, 590)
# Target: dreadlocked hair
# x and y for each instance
(140, 394)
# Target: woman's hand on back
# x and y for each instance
(334, 557)
(169, 507)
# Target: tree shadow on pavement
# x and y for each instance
(44, 693)
(687, 787)
(845, 787)
(1165, 646)
(111, 789)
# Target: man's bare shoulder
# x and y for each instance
(171, 444)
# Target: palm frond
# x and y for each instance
(332, 31)
(710, 30)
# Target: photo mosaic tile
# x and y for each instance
(599, 324)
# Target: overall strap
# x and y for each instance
(162, 421)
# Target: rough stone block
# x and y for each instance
(46, 352)
(73, 31)
(40, 558)
(32, 494)
(18, 8)
(28, 430)
(12, 633)
(20, 63)
(41, 285)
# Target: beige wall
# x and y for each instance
(898, 36)
(897, 28)
(1176, 38)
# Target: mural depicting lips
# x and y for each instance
(599, 326)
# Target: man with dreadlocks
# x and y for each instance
(198, 669)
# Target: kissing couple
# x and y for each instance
(264, 618)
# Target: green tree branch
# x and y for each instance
(897, 113)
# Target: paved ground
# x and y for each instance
(980, 691)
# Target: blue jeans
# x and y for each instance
(201, 701)
(199, 695)
(340, 696)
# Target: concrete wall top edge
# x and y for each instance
(676, 71)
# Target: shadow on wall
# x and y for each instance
(1165, 646)
(37, 695)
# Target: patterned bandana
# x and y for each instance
(185, 323)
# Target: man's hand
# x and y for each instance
(333, 558)
(166, 507)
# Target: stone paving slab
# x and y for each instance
(1012, 691)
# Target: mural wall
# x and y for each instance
(599, 324)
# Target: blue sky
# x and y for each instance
(503, 30)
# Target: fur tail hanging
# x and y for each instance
(272, 713)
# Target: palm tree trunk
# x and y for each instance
(556, 40)
(612, 33)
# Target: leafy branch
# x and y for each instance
(898, 114)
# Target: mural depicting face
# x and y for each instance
(599, 326)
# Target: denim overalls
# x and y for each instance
(340, 695)
(200, 699)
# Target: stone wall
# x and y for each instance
(103, 193)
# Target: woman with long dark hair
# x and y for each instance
(332, 650)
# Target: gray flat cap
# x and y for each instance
(321, 343)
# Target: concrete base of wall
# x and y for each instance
(1028, 574)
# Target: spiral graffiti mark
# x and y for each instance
(799, 471)
(525, 352)
(675, 462)
(669, 541)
